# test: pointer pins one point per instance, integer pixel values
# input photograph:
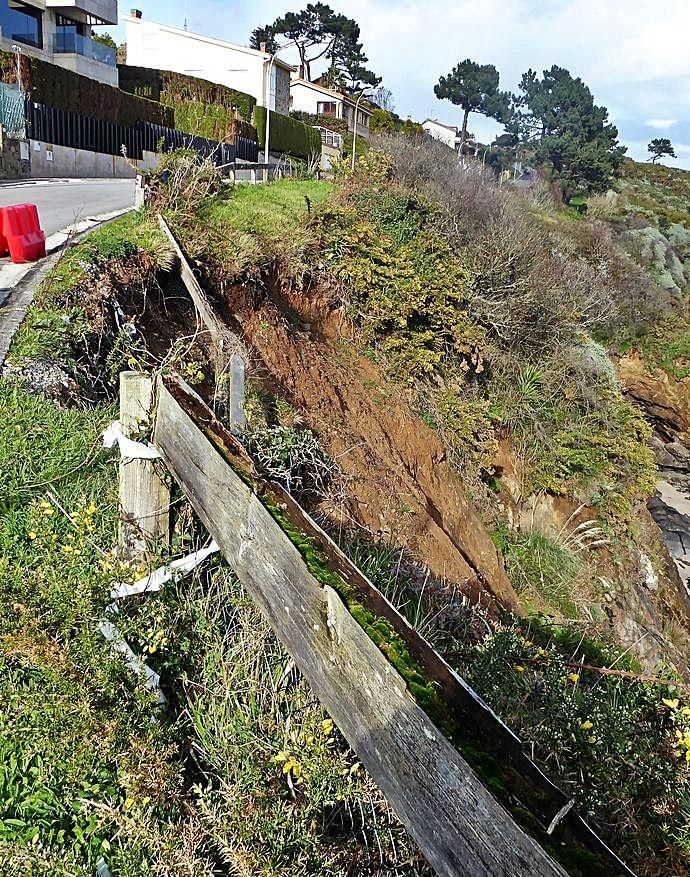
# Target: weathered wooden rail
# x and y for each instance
(307, 595)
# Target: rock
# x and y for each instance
(651, 580)
(47, 377)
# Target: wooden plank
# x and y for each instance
(479, 726)
(144, 496)
(219, 332)
(459, 827)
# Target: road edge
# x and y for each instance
(20, 281)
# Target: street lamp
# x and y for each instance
(354, 132)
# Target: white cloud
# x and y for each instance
(661, 124)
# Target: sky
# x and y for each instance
(633, 54)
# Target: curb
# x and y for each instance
(18, 282)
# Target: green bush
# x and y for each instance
(57, 87)
(287, 134)
(198, 106)
(333, 123)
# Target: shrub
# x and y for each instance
(61, 88)
(293, 458)
(333, 123)
(198, 106)
(287, 134)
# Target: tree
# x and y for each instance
(264, 37)
(660, 146)
(319, 32)
(104, 39)
(557, 119)
(383, 98)
(474, 87)
(381, 121)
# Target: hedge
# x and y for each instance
(63, 89)
(287, 134)
(199, 106)
(333, 123)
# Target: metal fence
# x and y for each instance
(79, 131)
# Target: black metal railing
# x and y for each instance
(79, 131)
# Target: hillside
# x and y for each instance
(471, 389)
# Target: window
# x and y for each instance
(67, 33)
(21, 23)
(325, 108)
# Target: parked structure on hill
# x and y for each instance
(150, 44)
(310, 97)
(59, 31)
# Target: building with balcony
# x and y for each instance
(310, 97)
(59, 31)
(162, 47)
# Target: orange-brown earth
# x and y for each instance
(397, 479)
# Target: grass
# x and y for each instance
(667, 346)
(75, 726)
(55, 319)
(268, 222)
(242, 773)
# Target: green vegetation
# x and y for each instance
(269, 222)
(610, 741)
(578, 142)
(319, 32)
(198, 106)
(659, 147)
(667, 346)
(242, 769)
(474, 88)
(61, 88)
(287, 134)
(59, 314)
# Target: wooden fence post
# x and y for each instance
(235, 377)
(144, 497)
(252, 175)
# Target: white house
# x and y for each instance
(150, 44)
(310, 97)
(447, 134)
(59, 31)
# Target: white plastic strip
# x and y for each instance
(129, 449)
(118, 644)
(171, 572)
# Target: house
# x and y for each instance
(447, 134)
(451, 136)
(310, 97)
(162, 47)
(59, 31)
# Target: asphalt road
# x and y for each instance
(61, 204)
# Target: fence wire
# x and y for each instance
(12, 111)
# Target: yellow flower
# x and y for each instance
(129, 803)
(671, 704)
(280, 757)
(528, 643)
(541, 653)
(327, 727)
(592, 739)
(519, 668)
(32, 535)
(146, 800)
(586, 725)
(91, 510)
(574, 677)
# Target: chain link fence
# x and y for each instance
(12, 111)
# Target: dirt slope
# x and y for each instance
(397, 479)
